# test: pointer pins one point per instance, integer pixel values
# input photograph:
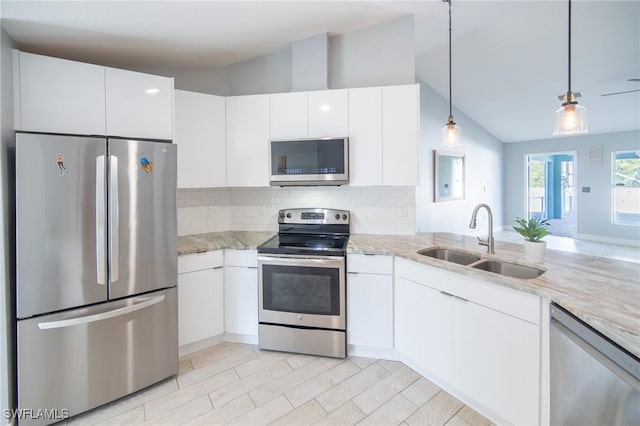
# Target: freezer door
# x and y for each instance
(83, 358)
(60, 222)
(142, 217)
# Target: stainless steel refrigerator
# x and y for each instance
(96, 270)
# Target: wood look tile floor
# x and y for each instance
(238, 384)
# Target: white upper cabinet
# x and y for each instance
(400, 133)
(289, 115)
(58, 96)
(328, 113)
(365, 136)
(319, 114)
(139, 105)
(200, 133)
(248, 140)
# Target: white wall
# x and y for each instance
(594, 208)
(483, 170)
(266, 74)
(379, 55)
(375, 210)
(7, 145)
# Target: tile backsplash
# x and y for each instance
(374, 210)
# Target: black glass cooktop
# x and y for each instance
(313, 244)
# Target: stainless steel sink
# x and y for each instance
(509, 269)
(450, 255)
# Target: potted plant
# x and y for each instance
(533, 231)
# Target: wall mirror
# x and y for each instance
(449, 175)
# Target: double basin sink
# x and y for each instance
(496, 266)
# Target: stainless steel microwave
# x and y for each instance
(309, 161)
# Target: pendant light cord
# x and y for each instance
(450, 98)
(569, 67)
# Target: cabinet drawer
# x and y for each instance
(370, 264)
(247, 258)
(200, 261)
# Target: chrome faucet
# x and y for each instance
(489, 241)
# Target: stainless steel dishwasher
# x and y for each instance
(593, 380)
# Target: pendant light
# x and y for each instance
(451, 133)
(571, 118)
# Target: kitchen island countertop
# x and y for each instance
(604, 293)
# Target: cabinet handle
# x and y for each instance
(453, 295)
(217, 267)
(352, 273)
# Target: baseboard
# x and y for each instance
(609, 240)
(200, 344)
(370, 352)
(249, 339)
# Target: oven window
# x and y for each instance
(303, 290)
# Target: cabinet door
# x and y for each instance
(400, 132)
(328, 113)
(59, 96)
(139, 105)
(248, 140)
(497, 360)
(241, 301)
(200, 305)
(424, 326)
(365, 136)
(200, 133)
(289, 115)
(370, 310)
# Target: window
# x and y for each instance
(626, 187)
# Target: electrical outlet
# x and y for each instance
(404, 211)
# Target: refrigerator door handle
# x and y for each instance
(102, 315)
(101, 229)
(113, 218)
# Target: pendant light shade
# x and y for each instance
(451, 133)
(571, 118)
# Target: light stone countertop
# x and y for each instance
(604, 293)
(239, 240)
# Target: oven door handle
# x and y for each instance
(313, 261)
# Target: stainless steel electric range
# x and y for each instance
(302, 283)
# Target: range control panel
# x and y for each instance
(314, 216)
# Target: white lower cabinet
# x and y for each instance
(241, 296)
(424, 326)
(370, 301)
(498, 361)
(200, 297)
(480, 340)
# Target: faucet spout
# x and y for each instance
(489, 242)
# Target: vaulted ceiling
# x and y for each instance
(509, 57)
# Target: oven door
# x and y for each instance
(302, 291)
